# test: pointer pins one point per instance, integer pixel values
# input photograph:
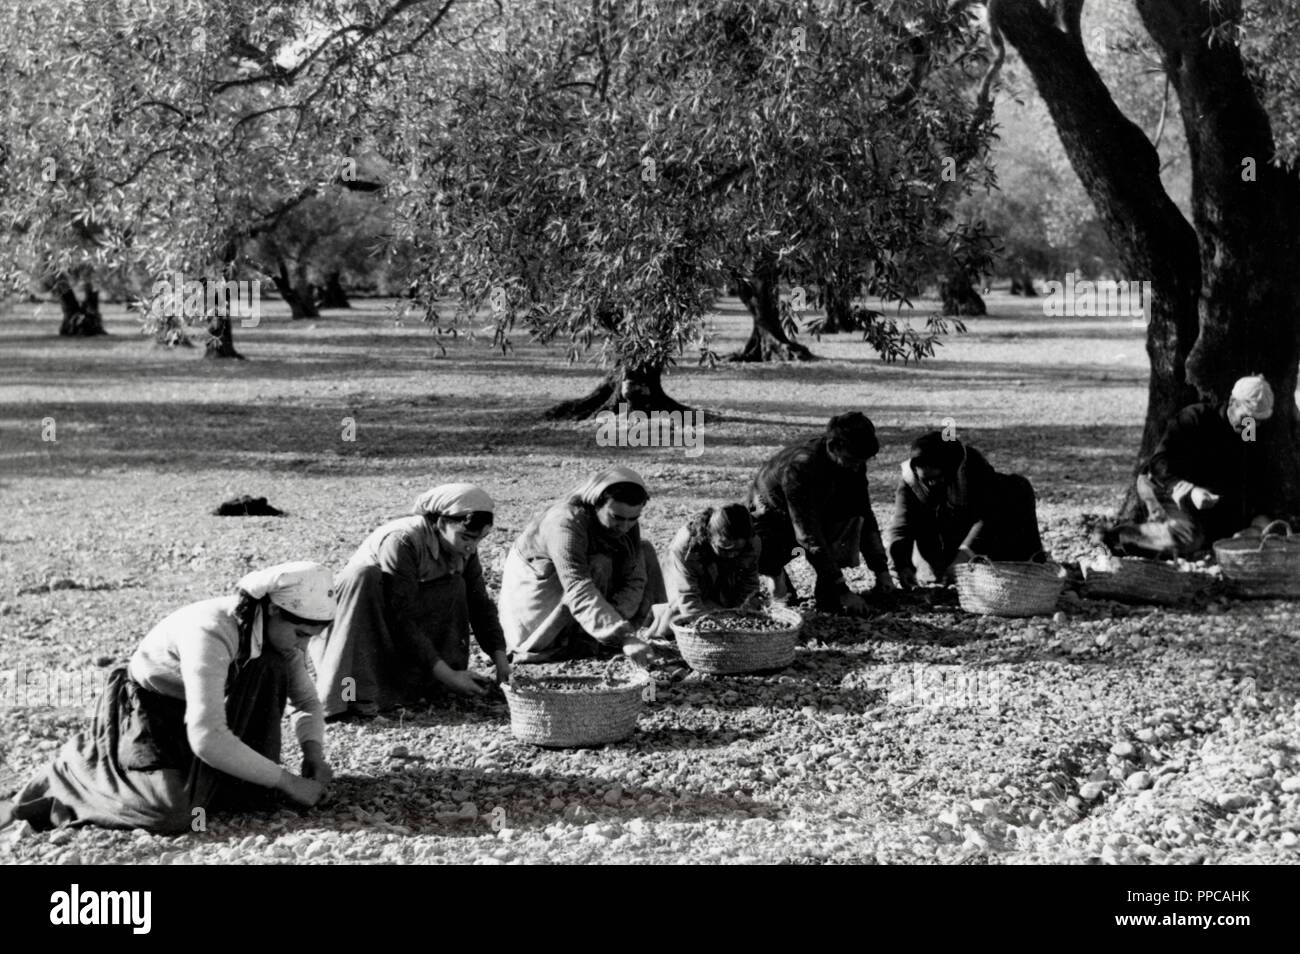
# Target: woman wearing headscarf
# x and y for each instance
(580, 581)
(1203, 480)
(952, 505)
(408, 599)
(712, 565)
(191, 724)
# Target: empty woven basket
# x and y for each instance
(1267, 568)
(723, 651)
(1008, 588)
(1139, 580)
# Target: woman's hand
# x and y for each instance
(304, 791)
(314, 765)
(638, 651)
(462, 682)
(502, 664)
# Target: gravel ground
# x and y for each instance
(1108, 734)
(1105, 734)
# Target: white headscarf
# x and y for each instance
(591, 490)
(450, 500)
(1254, 396)
(303, 588)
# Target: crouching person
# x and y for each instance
(580, 581)
(712, 565)
(951, 505)
(191, 725)
(1196, 488)
(408, 599)
(814, 496)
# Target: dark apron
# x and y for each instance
(134, 768)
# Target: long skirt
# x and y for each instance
(134, 768)
(558, 636)
(361, 659)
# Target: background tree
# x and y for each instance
(1223, 284)
(600, 175)
(147, 137)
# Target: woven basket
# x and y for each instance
(1269, 568)
(731, 651)
(1138, 580)
(1008, 588)
(585, 710)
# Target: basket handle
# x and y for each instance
(1039, 557)
(1267, 531)
(980, 558)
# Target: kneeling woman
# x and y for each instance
(580, 581)
(712, 565)
(951, 505)
(407, 601)
(191, 725)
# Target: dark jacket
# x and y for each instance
(802, 486)
(1200, 447)
(990, 513)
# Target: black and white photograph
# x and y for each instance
(651, 432)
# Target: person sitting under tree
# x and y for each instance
(408, 599)
(814, 496)
(191, 724)
(1199, 485)
(580, 581)
(712, 565)
(951, 505)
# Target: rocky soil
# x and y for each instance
(1106, 734)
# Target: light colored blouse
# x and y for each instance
(188, 656)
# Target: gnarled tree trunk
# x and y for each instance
(298, 298)
(837, 302)
(1022, 283)
(641, 389)
(1120, 169)
(221, 341)
(959, 297)
(333, 295)
(81, 319)
(768, 340)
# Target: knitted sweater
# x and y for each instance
(188, 656)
